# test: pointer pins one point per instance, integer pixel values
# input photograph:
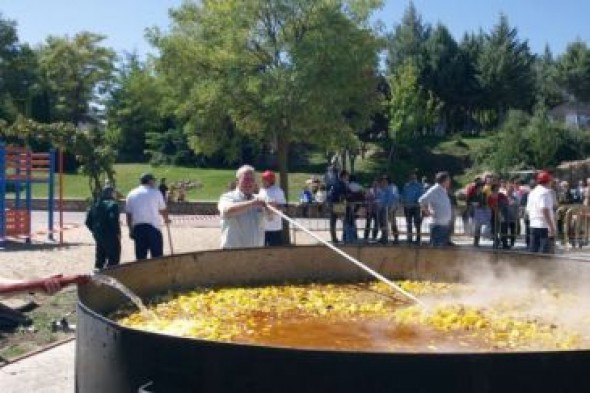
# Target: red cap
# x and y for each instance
(543, 177)
(269, 176)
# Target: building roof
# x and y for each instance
(567, 108)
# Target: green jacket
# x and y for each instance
(102, 220)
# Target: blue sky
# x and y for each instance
(124, 21)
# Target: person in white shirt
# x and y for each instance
(242, 213)
(436, 203)
(145, 208)
(270, 192)
(540, 210)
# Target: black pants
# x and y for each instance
(273, 238)
(333, 220)
(508, 233)
(108, 253)
(539, 241)
(147, 238)
(371, 224)
(413, 216)
(527, 232)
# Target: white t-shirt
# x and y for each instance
(276, 195)
(540, 198)
(242, 230)
(144, 204)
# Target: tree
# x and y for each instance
(509, 147)
(76, 71)
(18, 73)
(450, 76)
(411, 108)
(573, 68)
(544, 138)
(547, 89)
(135, 108)
(284, 71)
(505, 70)
(408, 42)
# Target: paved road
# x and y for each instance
(51, 371)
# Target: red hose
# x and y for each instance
(39, 284)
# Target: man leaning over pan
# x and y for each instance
(243, 213)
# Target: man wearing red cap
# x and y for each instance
(540, 209)
(270, 192)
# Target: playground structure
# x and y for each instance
(20, 168)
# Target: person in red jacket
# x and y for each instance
(496, 200)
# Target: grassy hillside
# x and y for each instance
(214, 181)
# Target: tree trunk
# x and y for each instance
(283, 158)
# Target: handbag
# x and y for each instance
(339, 208)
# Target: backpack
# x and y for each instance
(97, 220)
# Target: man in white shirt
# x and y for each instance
(145, 208)
(270, 192)
(436, 203)
(242, 213)
(540, 210)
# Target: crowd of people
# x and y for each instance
(494, 207)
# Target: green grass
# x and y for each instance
(432, 154)
(214, 181)
(52, 308)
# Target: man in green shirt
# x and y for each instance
(103, 222)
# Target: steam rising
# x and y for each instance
(561, 299)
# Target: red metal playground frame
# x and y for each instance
(20, 168)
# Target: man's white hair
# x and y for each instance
(243, 170)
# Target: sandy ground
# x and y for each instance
(76, 256)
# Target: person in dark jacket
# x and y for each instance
(336, 199)
(411, 192)
(103, 221)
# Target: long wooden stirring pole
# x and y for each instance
(378, 276)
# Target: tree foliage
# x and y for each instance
(282, 71)
(75, 72)
(505, 71)
(135, 108)
(91, 146)
(525, 141)
(411, 108)
(574, 70)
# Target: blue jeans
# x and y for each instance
(147, 238)
(439, 235)
(539, 240)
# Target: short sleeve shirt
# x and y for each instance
(276, 195)
(242, 230)
(144, 204)
(539, 199)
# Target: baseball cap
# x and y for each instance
(543, 177)
(146, 178)
(268, 176)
